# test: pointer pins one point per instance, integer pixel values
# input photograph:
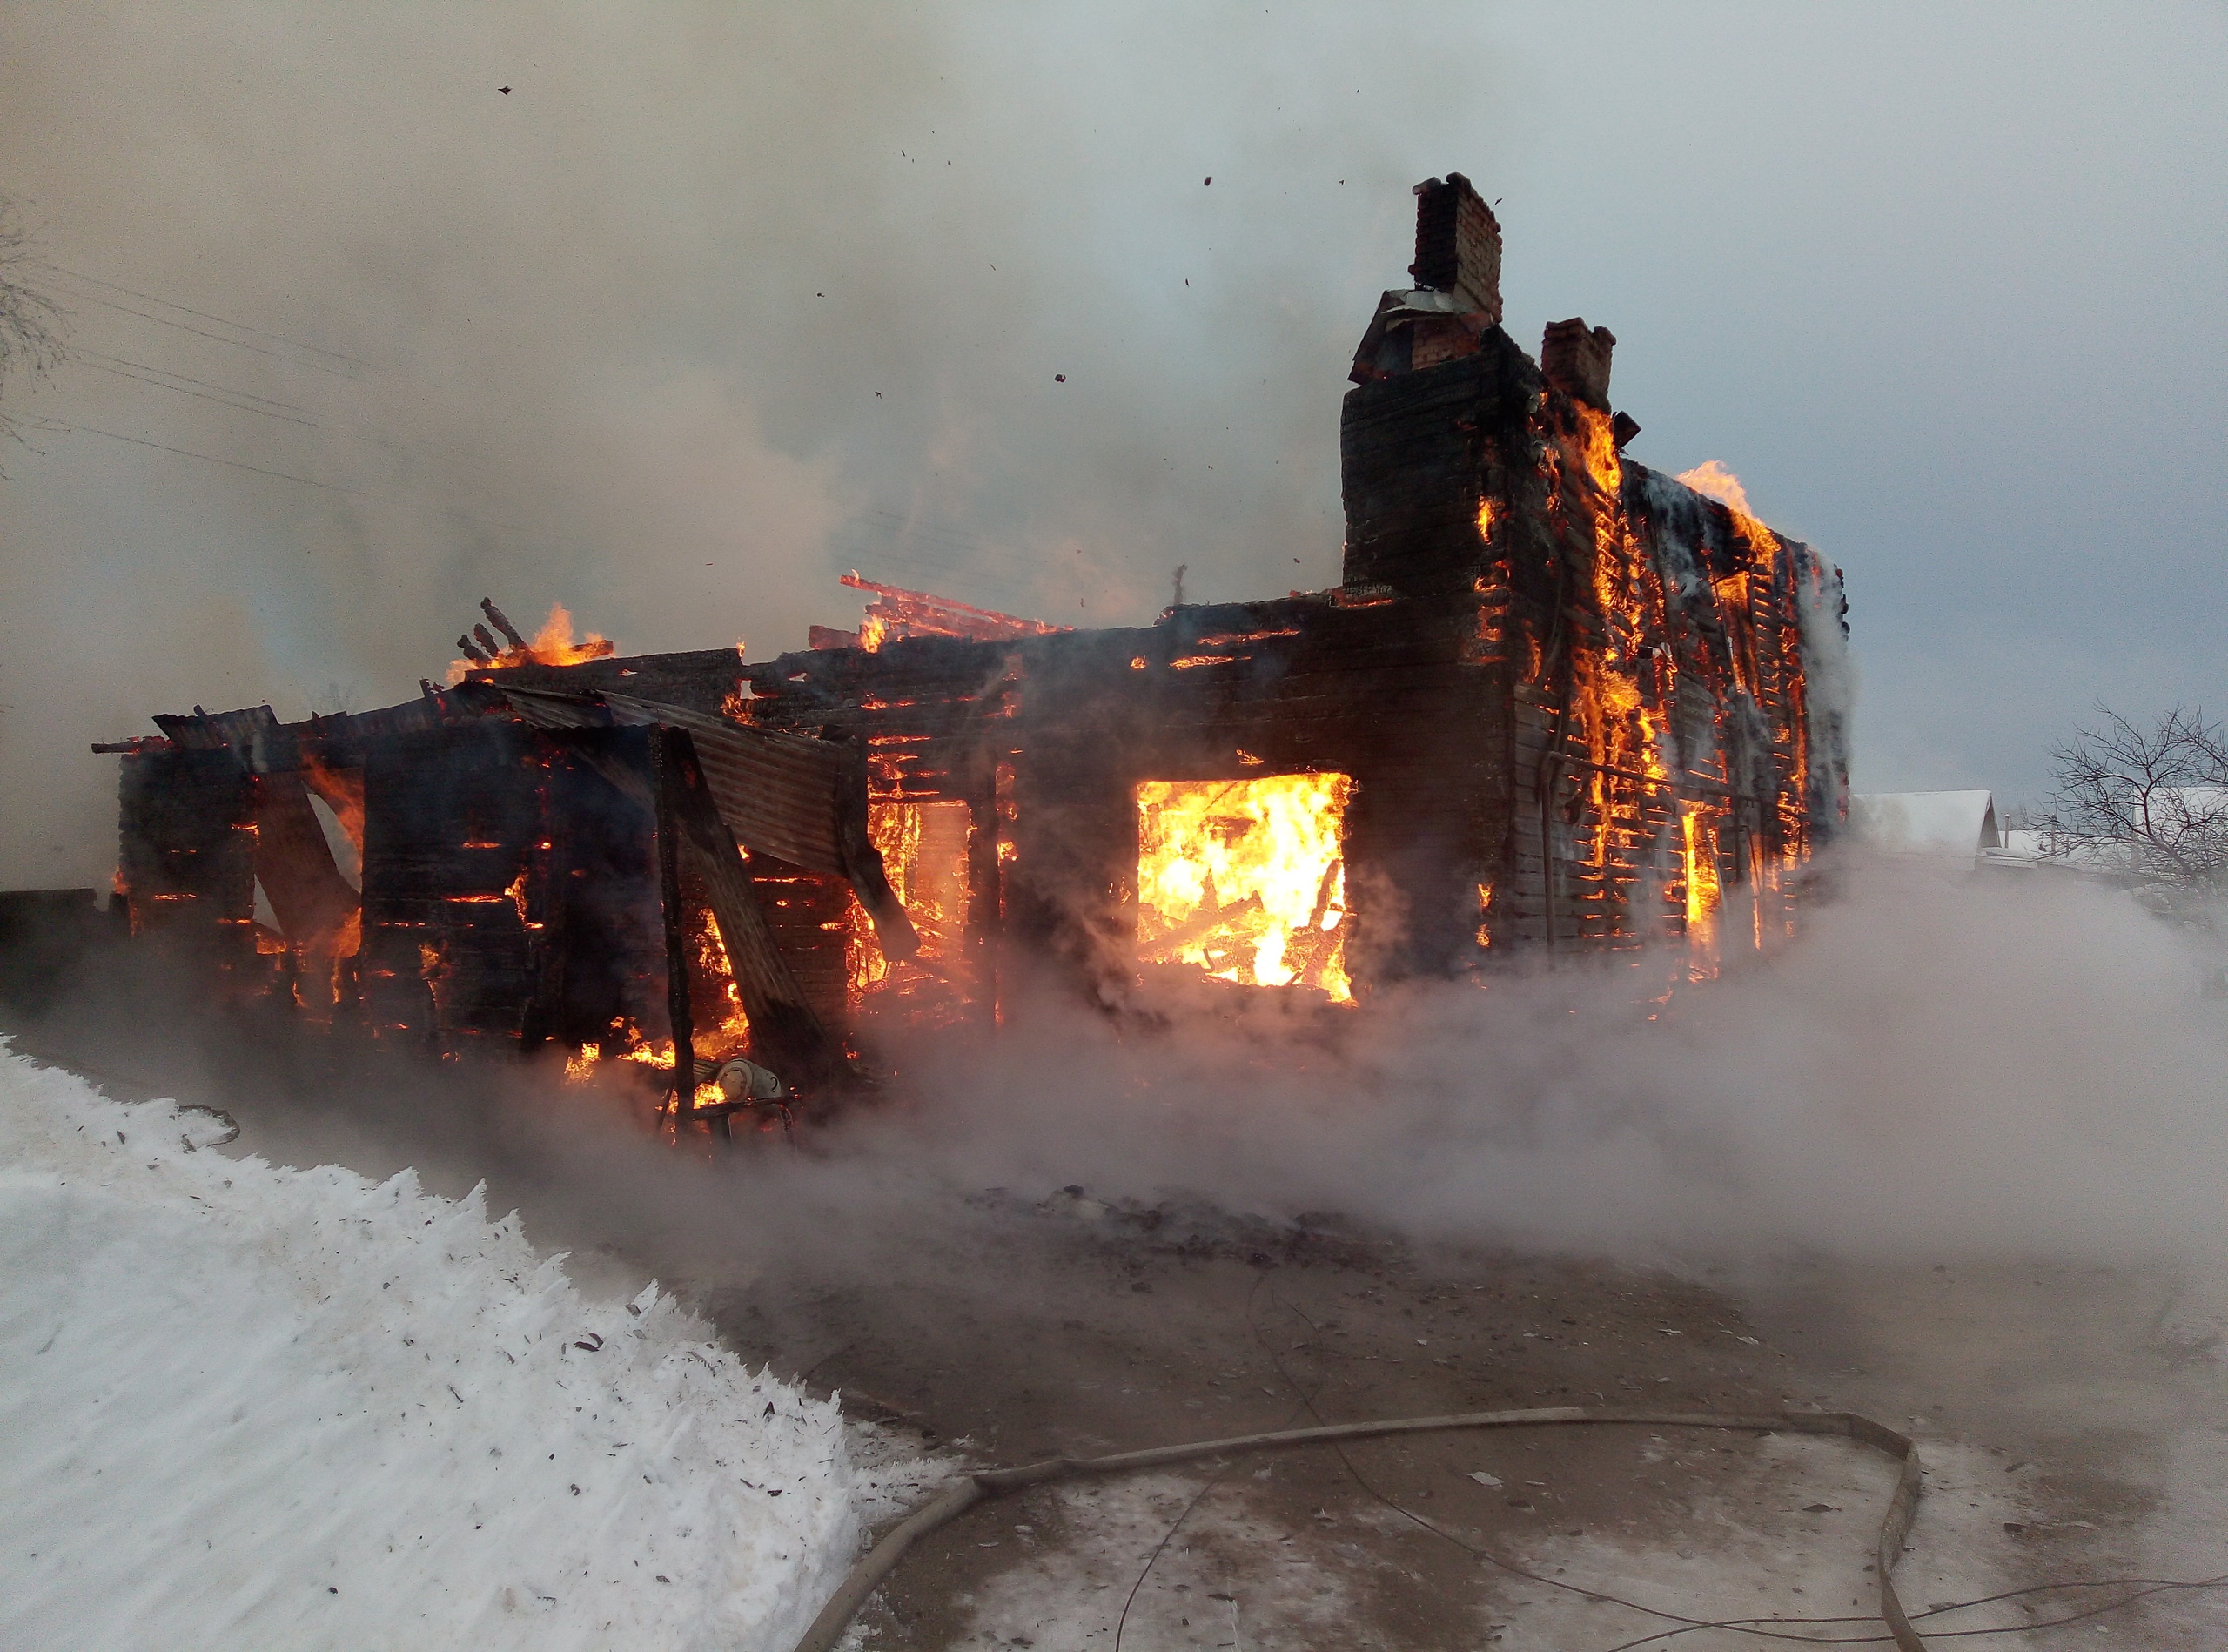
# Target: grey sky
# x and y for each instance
(1944, 286)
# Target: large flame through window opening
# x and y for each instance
(924, 855)
(1247, 879)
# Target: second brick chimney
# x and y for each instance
(1458, 244)
(1576, 360)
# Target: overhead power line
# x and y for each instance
(187, 309)
(218, 337)
(186, 453)
(542, 534)
(165, 372)
(203, 395)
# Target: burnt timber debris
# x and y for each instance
(1558, 704)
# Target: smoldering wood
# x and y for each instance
(803, 800)
(496, 618)
(603, 941)
(704, 679)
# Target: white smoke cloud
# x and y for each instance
(1935, 1067)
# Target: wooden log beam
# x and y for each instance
(664, 787)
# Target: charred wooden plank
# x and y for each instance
(294, 864)
(679, 1020)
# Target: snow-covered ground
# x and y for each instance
(244, 1405)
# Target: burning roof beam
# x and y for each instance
(897, 613)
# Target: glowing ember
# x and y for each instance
(1245, 878)
(1713, 480)
(553, 645)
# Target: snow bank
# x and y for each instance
(253, 1406)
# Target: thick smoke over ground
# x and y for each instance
(1934, 1069)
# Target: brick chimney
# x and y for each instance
(1576, 360)
(1458, 244)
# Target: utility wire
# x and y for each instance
(184, 453)
(222, 321)
(969, 552)
(202, 395)
(1216, 1479)
(1773, 1629)
(166, 373)
(260, 349)
(2152, 1586)
(330, 487)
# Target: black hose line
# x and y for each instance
(883, 1559)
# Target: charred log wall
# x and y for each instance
(602, 948)
(186, 851)
(1401, 695)
(1393, 694)
(1651, 647)
(508, 892)
(936, 718)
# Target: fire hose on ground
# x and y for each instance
(883, 1559)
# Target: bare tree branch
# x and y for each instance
(32, 326)
(2151, 800)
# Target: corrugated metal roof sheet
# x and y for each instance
(779, 793)
(790, 796)
(206, 731)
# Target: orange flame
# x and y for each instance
(1614, 718)
(553, 644)
(1704, 891)
(924, 853)
(730, 1036)
(1713, 480)
(1245, 878)
(343, 792)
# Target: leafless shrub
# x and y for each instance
(31, 324)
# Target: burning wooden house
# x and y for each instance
(1558, 704)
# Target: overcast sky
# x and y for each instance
(717, 302)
